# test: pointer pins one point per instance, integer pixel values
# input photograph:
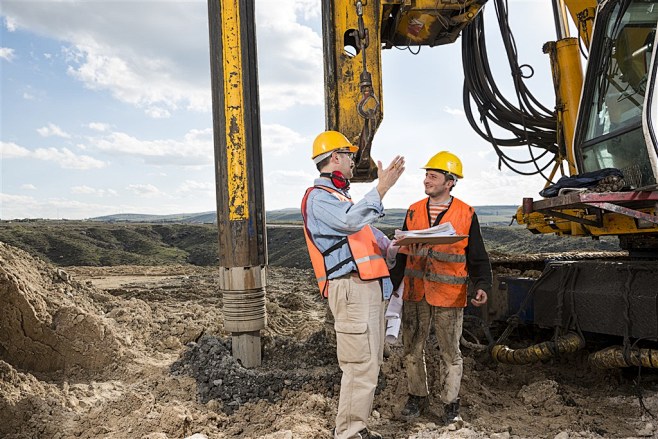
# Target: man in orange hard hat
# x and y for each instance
(435, 284)
(349, 261)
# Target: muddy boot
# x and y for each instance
(368, 434)
(415, 406)
(329, 330)
(451, 414)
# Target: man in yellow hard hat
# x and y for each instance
(435, 284)
(349, 261)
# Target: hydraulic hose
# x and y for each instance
(539, 352)
(528, 123)
(613, 357)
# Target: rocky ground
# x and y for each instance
(141, 352)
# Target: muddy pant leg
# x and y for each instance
(329, 330)
(416, 318)
(448, 325)
(358, 310)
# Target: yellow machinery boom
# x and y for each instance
(354, 32)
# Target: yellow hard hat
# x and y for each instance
(329, 141)
(447, 162)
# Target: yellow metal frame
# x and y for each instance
(582, 13)
(342, 91)
(612, 223)
(568, 81)
(236, 160)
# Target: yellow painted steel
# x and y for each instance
(416, 26)
(570, 84)
(236, 151)
(348, 68)
(432, 5)
(582, 13)
(613, 223)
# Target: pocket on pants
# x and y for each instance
(352, 345)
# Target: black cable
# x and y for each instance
(529, 123)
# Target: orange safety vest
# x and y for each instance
(438, 272)
(363, 247)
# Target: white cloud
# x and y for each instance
(17, 206)
(279, 140)
(52, 130)
(146, 84)
(67, 159)
(63, 157)
(28, 187)
(285, 189)
(155, 55)
(6, 53)
(196, 186)
(99, 126)
(144, 190)
(307, 8)
(10, 24)
(290, 55)
(502, 186)
(158, 113)
(286, 176)
(30, 93)
(454, 111)
(194, 149)
(9, 150)
(87, 190)
(484, 153)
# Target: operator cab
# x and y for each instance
(613, 130)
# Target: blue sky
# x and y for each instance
(106, 107)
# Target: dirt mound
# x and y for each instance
(48, 321)
(219, 376)
(171, 374)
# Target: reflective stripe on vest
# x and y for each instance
(433, 254)
(435, 277)
(438, 272)
(363, 248)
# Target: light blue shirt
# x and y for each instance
(329, 220)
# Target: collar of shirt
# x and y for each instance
(321, 181)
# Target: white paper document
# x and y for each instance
(438, 230)
(394, 317)
(440, 234)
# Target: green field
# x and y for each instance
(100, 243)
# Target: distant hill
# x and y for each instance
(181, 218)
(100, 243)
(488, 215)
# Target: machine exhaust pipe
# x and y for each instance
(613, 357)
(543, 351)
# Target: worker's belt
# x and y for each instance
(353, 273)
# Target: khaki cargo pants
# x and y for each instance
(416, 320)
(358, 310)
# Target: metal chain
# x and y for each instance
(362, 38)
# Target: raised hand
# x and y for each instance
(389, 176)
